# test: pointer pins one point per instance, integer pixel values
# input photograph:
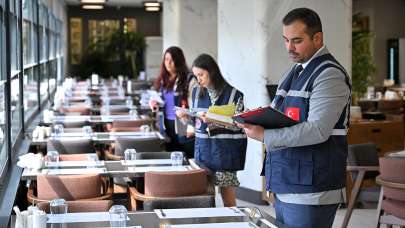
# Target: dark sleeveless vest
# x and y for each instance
(225, 151)
(312, 168)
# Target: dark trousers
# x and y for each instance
(173, 144)
(298, 215)
(186, 145)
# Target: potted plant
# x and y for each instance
(362, 62)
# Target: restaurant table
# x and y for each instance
(99, 137)
(108, 168)
(91, 118)
(175, 218)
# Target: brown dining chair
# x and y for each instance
(391, 207)
(74, 124)
(71, 146)
(166, 185)
(129, 125)
(82, 110)
(74, 157)
(390, 106)
(140, 145)
(204, 201)
(81, 206)
(70, 187)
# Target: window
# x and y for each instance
(15, 108)
(3, 151)
(43, 86)
(30, 82)
(27, 43)
(52, 74)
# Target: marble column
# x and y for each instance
(251, 54)
(191, 25)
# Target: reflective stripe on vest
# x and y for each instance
(232, 96)
(339, 132)
(220, 136)
(197, 91)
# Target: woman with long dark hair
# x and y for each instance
(175, 83)
(224, 151)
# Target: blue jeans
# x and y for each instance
(299, 215)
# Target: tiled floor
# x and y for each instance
(361, 218)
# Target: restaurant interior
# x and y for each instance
(82, 146)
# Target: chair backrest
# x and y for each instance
(131, 123)
(118, 109)
(69, 187)
(71, 146)
(180, 202)
(389, 105)
(73, 157)
(365, 154)
(392, 170)
(81, 206)
(83, 110)
(154, 155)
(117, 101)
(173, 184)
(75, 124)
(140, 145)
(72, 129)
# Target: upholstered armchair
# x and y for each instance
(169, 185)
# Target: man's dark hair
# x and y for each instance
(307, 16)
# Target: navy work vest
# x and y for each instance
(312, 168)
(179, 101)
(225, 151)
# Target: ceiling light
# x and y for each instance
(152, 8)
(93, 1)
(151, 4)
(92, 6)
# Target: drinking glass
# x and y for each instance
(177, 158)
(118, 216)
(58, 129)
(129, 155)
(145, 128)
(93, 160)
(58, 206)
(129, 103)
(52, 158)
(87, 130)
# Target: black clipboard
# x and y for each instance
(267, 117)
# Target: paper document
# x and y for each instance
(73, 171)
(200, 212)
(216, 225)
(137, 169)
(147, 162)
(74, 163)
(79, 217)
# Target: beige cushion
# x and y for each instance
(172, 184)
(68, 187)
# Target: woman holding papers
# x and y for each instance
(224, 151)
(175, 83)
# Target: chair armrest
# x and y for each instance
(388, 183)
(109, 156)
(33, 199)
(360, 168)
(139, 196)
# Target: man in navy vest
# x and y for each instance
(305, 164)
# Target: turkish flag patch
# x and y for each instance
(293, 113)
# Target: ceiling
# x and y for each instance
(128, 3)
